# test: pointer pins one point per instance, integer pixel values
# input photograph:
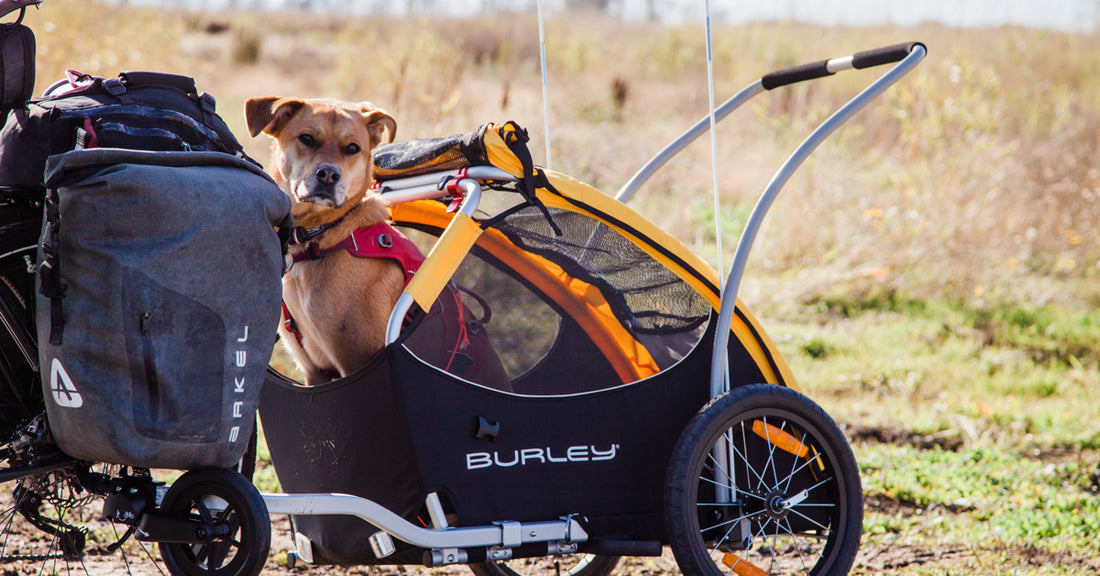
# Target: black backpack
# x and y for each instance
(136, 111)
(17, 51)
(158, 303)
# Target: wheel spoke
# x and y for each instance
(786, 528)
(745, 455)
(204, 512)
(719, 468)
(801, 467)
(728, 522)
(770, 464)
(794, 465)
(811, 520)
(218, 553)
(144, 550)
(738, 490)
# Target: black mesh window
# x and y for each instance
(541, 347)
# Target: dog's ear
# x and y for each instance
(269, 113)
(378, 120)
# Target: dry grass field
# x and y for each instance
(973, 180)
(932, 274)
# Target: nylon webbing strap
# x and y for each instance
(516, 138)
(49, 272)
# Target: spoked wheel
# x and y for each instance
(52, 524)
(20, 388)
(235, 532)
(762, 482)
(41, 525)
(567, 565)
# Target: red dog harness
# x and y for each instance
(378, 241)
(381, 241)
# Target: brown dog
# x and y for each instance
(337, 298)
(321, 157)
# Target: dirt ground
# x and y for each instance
(873, 559)
(877, 556)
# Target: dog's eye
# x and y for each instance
(352, 149)
(308, 140)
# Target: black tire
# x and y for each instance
(568, 565)
(794, 476)
(243, 549)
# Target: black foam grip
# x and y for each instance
(884, 55)
(795, 74)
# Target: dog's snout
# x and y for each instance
(328, 174)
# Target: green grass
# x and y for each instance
(995, 495)
(976, 429)
(1020, 375)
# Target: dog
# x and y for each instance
(321, 157)
(336, 299)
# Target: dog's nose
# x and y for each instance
(328, 175)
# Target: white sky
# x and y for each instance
(1070, 15)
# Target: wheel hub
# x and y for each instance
(776, 505)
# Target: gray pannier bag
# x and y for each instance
(159, 278)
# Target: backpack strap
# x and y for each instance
(136, 78)
(17, 60)
(49, 270)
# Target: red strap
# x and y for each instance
(456, 193)
(93, 141)
(378, 241)
(290, 325)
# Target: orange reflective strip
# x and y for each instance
(780, 439)
(741, 567)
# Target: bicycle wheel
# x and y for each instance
(20, 390)
(763, 482)
(52, 522)
(235, 527)
(49, 516)
(567, 565)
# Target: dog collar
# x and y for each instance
(304, 235)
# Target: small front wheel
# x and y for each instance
(235, 520)
(763, 482)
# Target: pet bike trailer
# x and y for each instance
(643, 406)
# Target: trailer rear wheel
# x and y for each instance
(762, 481)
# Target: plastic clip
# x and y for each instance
(454, 191)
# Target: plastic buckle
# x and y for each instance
(114, 87)
(454, 191)
(207, 102)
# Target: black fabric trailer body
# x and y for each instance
(400, 428)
